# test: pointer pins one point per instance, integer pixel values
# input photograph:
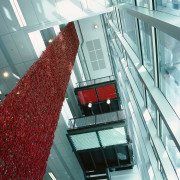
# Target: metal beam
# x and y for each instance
(165, 22)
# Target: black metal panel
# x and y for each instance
(114, 105)
(105, 107)
(123, 155)
(86, 160)
(96, 109)
(86, 110)
(111, 157)
(99, 159)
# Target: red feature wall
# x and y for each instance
(30, 112)
(106, 92)
(87, 96)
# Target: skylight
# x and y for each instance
(85, 141)
(37, 42)
(18, 13)
(57, 30)
(73, 79)
(80, 67)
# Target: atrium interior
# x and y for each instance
(121, 115)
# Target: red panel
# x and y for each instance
(106, 92)
(87, 96)
(30, 113)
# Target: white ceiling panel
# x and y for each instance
(9, 81)
(3, 29)
(96, 4)
(9, 16)
(3, 62)
(11, 48)
(58, 165)
(45, 10)
(3, 86)
(70, 9)
(21, 69)
(23, 46)
(27, 9)
(95, 48)
(28, 64)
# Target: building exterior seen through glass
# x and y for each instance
(146, 44)
(169, 69)
(129, 30)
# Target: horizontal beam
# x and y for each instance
(167, 23)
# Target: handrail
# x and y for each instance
(94, 81)
(75, 123)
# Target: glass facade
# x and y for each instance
(151, 107)
(169, 6)
(157, 79)
(129, 30)
(135, 76)
(146, 46)
(170, 147)
(169, 69)
(143, 3)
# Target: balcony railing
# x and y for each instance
(96, 119)
(95, 81)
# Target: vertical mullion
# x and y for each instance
(151, 6)
(158, 123)
(119, 22)
(155, 59)
(140, 53)
(138, 40)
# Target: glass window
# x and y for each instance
(146, 44)
(170, 147)
(113, 17)
(135, 76)
(162, 172)
(143, 3)
(169, 6)
(114, 136)
(85, 141)
(119, 45)
(129, 30)
(126, 1)
(169, 69)
(151, 107)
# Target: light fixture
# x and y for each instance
(50, 40)
(90, 105)
(52, 176)
(96, 26)
(0, 92)
(108, 101)
(5, 74)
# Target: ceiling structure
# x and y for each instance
(21, 42)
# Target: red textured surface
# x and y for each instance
(87, 96)
(106, 92)
(30, 113)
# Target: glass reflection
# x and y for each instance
(143, 3)
(169, 6)
(129, 30)
(169, 68)
(146, 44)
(151, 107)
(135, 76)
(171, 148)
